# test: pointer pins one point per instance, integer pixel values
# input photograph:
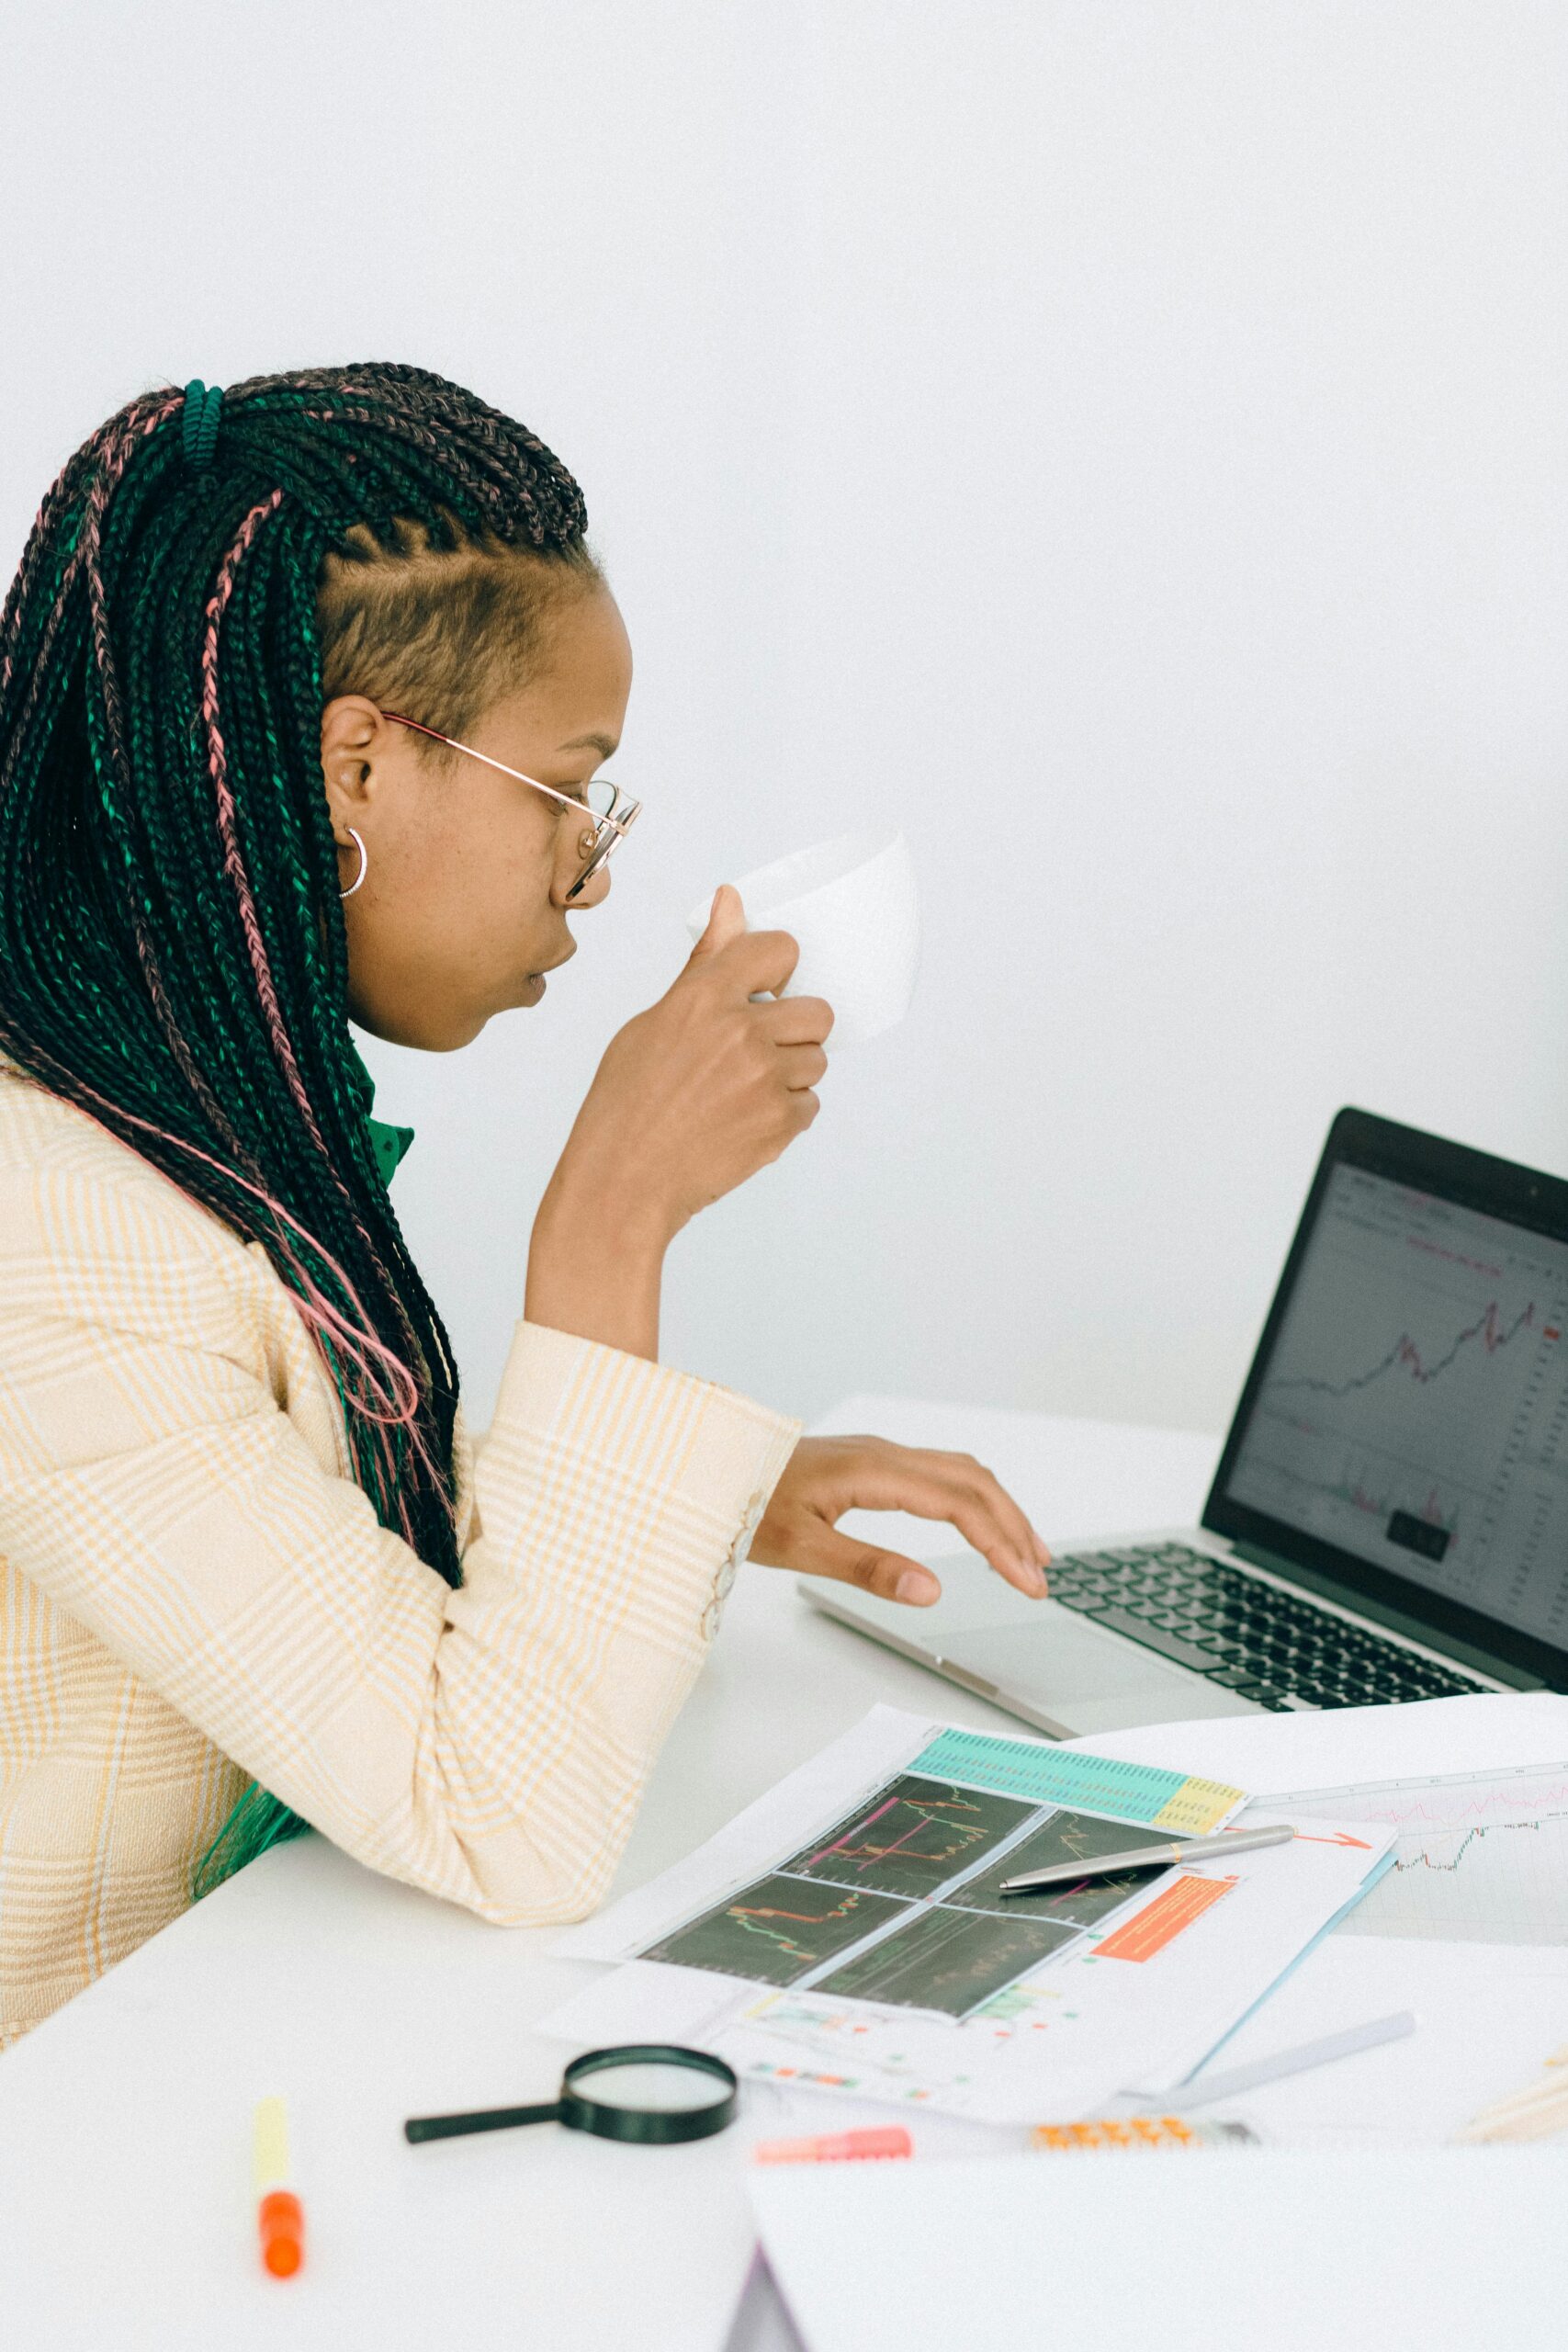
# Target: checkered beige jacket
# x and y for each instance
(193, 1591)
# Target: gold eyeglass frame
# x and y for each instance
(609, 828)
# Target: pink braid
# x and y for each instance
(318, 1312)
(234, 863)
(119, 450)
(55, 500)
(117, 444)
(384, 1403)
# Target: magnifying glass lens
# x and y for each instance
(654, 2092)
(650, 2087)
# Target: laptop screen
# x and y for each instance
(1412, 1408)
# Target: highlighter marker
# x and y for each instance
(835, 2148)
(1142, 2132)
(279, 2217)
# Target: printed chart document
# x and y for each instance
(1477, 1857)
(1475, 1789)
(847, 1932)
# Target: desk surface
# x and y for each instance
(125, 2204)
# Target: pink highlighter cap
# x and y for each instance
(836, 2147)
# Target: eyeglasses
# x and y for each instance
(614, 811)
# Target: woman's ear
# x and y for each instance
(354, 734)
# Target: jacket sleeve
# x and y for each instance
(488, 1744)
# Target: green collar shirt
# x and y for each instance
(386, 1141)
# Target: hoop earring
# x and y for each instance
(364, 864)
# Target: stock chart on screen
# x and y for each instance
(1415, 1406)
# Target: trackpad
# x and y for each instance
(1084, 1679)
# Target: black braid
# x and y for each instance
(173, 954)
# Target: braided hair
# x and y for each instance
(173, 951)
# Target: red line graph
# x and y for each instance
(753, 1919)
(856, 1845)
(1418, 1814)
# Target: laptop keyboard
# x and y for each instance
(1247, 1635)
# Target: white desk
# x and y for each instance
(126, 2215)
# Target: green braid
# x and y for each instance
(173, 953)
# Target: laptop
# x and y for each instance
(1389, 1520)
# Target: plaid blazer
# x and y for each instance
(195, 1593)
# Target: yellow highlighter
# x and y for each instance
(280, 2218)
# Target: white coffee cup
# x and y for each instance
(852, 906)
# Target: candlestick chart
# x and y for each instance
(776, 1930)
(1065, 1837)
(947, 1960)
(912, 1837)
(899, 1902)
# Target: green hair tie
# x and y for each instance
(199, 423)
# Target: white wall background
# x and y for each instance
(1130, 439)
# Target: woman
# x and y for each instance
(303, 688)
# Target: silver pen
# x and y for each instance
(1148, 1858)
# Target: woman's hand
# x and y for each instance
(829, 1475)
(691, 1097)
(703, 1088)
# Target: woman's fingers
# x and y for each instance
(798, 1020)
(757, 961)
(955, 1488)
(827, 1476)
(726, 921)
(819, 1550)
(802, 1065)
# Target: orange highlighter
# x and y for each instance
(280, 2218)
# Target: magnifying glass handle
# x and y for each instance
(486, 2118)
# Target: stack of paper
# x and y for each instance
(1464, 2248)
(848, 1933)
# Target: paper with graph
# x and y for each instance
(848, 1931)
(1477, 1858)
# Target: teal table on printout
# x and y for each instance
(126, 2209)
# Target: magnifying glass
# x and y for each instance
(652, 2092)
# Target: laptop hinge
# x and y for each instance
(1377, 1613)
